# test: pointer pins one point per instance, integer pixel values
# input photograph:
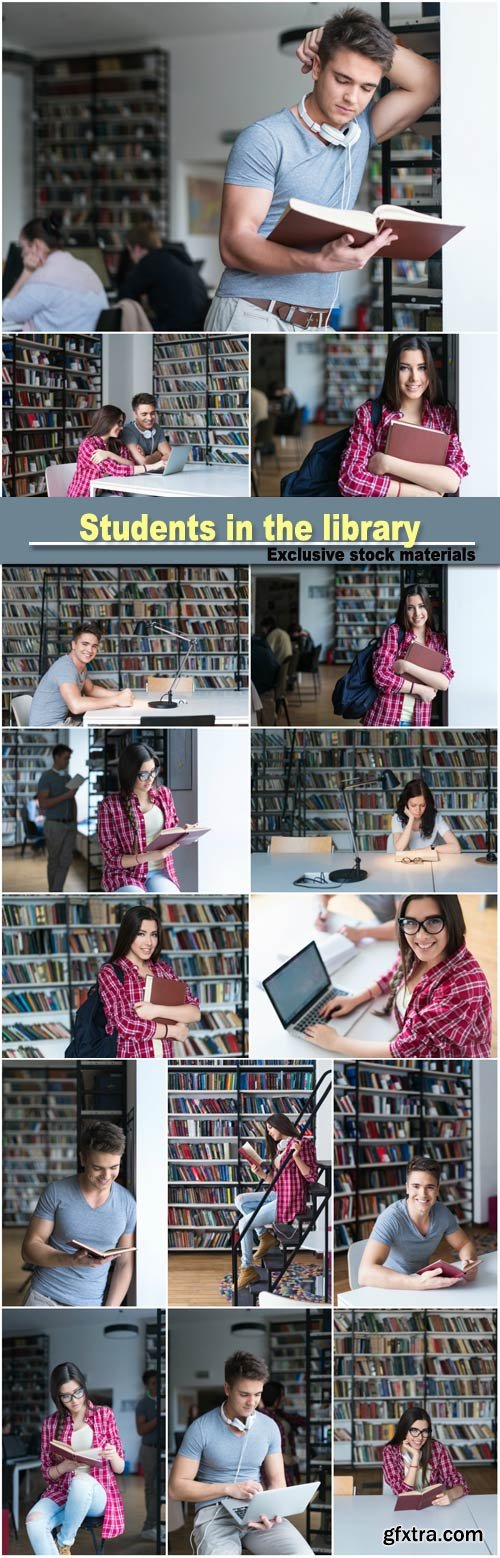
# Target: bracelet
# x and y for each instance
(398, 494)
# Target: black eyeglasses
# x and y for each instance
(433, 924)
(75, 1395)
(420, 1433)
(148, 773)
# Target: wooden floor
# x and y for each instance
(341, 1279)
(289, 454)
(29, 874)
(125, 1546)
(194, 1280)
(313, 708)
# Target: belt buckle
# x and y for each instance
(309, 318)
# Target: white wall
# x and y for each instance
(478, 414)
(305, 370)
(472, 641)
(198, 1353)
(151, 1181)
(224, 806)
(484, 1139)
(470, 177)
(17, 160)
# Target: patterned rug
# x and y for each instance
(298, 1283)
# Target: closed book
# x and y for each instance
(424, 445)
(420, 1500)
(428, 659)
(307, 226)
(446, 1269)
(164, 992)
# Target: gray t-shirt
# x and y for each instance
(73, 1218)
(218, 1449)
(149, 441)
(281, 154)
(147, 1408)
(410, 1249)
(48, 706)
(55, 783)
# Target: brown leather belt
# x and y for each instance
(293, 314)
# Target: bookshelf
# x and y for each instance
(212, 1110)
(354, 371)
(24, 758)
(110, 153)
(445, 1362)
(65, 940)
(155, 1358)
(200, 383)
(319, 1438)
(26, 1383)
(52, 384)
(40, 1134)
(386, 1114)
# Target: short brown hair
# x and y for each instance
(356, 30)
(244, 1365)
(143, 236)
(86, 627)
(102, 1136)
(424, 1165)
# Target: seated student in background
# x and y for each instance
(66, 691)
(284, 1144)
(165, 276)
(406, 1235)
(143, 437)
(58, 806)
(277, 638)
(102, 452)
(73, 1490)
(411, 392)
(418, 830)
(414, 1459)
(128, 823)
(144, 1030)
(55, 291)
(436, 991)
(406, 693)
(89, 1206)
(265, 667)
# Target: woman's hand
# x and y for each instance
(308, 50)
(427, 694)
(354, 933)
(377, 464)
(177, 1031)
(108, 1452)
(98, 456)
(340, 1006)
(64, 1466)
(147, 1010)
(442, 1498)
(322, 1034)
(140, 470)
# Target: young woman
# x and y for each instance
(411, 392)
(75, 1490)
(414, 1459)
(101, 452)
(407, 1233)
(144, 1030)
(418, 830)
(55, 291)
(128, 824)
(437, 993)
(406, 693)
(284, 1144)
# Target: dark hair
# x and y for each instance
(102, 422)
(59, 747)
(354, 29)
(450, 909)
(268, 623)
(102, 1136)
(402, 611)
(283, 1123)
(271, 1392)
(425, 1165)
(144, 235)
(411, 790)
(143, 400)
(129, 929)
(244, 1365)
(149, 1374)
(46, 228)
(402, 1429)
(130, 761)
(391, 393)
(86, 627)
(61, 1375)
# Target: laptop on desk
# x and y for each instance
(299, 989)
(177, 459)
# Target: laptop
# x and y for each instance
(176, 460)
(298, 990)
(272, 1501)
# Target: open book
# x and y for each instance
(74, 781)
(248, 1151)
(103, 1254)
(421, 1500)
(183, 833)
(307, 226)
(75, 1455)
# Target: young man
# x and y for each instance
(143, 436)
(315, 151)
(58, 805)
(66, 691)
(146, 1420)
(91, 1207)
(222, 1456)
(166, 276)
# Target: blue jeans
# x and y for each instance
(247, 1203)
(156, 882)
(85, 1497)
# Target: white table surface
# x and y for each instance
(480, 1294)
(277, 873)
(360, 1523)
(195, 481)
(229, 707)
(26, 1463)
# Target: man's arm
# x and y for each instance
(183, 1484)
(78, 702)
(242, 248)
(46, 800)
(417, 83)
(140, 458)
(145, 1425)
(123, 1271)
(37, 1250)
(274, 1470)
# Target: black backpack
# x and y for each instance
(318, 476)
(90, 1039)
(354, 694)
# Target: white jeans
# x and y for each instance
(236, 314)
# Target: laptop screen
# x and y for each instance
(298, 984)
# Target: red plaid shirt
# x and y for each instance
(86, 472)
(117, 837)
(449, 1013)
(291, 1189)
(364, 440)
(102, 1421)
(440, 1469)
(135, 1034)
(388, 705)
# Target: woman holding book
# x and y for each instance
(414, 1460)
(131, 827)
(102, 453)
(54, 291)
(407, 689)
(406, 1235)
(146, 1028)
(76, 1488)
(411, 396)
(436, 991)
(285, 1145)
(418, 830)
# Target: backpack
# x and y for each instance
(354, 694)
(318, 476)
(90, 1038)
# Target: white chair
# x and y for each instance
(354, 1257)
(57, 479)
(21, 705)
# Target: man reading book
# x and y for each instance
(89, 1207)
(315, 151)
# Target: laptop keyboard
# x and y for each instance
(314, 1014)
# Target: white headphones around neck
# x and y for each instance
(344, 138)
(235, 1422)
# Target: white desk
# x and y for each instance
(195, 481)
(480, 1294)
(360, 1524)
(27, 1464)
(229, 707)
(276, 873)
